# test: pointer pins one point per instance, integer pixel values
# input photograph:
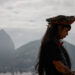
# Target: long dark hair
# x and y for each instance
(51, 33)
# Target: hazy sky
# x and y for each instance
(30, 15)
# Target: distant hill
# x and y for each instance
(27, 54)
(71, 50)
(7, 50)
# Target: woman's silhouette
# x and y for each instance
(53, 58)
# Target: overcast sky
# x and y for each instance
(30, 15)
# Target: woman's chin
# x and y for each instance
(63, 37)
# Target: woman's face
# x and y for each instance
(63, 32)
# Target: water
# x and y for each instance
(25, 73)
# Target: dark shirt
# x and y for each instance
(53, 52)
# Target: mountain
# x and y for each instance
(7, 50)
(26, 55)
(71, 51)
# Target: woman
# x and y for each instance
(53, 57)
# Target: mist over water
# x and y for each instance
(25, 73)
